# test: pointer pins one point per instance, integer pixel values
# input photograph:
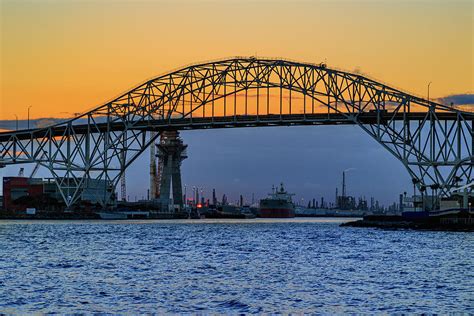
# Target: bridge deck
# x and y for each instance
(228, 121)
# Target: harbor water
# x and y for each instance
(232, 266)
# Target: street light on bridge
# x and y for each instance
(29, 107)
(16, 121)
(429, 84)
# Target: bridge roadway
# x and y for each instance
(190, 123)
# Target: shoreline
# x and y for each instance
(460, 222)
(97, 217)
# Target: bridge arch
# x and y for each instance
(433, 141)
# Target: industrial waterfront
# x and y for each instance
(36, 198)
(231, 266)
(29, 197)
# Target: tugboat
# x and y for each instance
(277, 205)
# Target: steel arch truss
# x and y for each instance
(433, 141)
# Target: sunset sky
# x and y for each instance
(64, 57)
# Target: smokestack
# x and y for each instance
(343, 183)
(214, 199)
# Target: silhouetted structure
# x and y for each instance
(171, 152)
(433, 141)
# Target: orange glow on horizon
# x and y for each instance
(64, 58)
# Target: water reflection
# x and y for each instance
(231, 266)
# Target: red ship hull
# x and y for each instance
(277, 213)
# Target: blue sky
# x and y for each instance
(309, 160)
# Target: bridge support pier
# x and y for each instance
(171, 152)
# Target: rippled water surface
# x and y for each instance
(231, 266)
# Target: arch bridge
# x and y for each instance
(433, 141)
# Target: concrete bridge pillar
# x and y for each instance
(171, 152)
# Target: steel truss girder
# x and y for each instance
(433, 141)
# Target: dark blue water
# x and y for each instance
(252, 266)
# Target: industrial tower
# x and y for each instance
(171, 152)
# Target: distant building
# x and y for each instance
(22, 192)
(15, 188)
